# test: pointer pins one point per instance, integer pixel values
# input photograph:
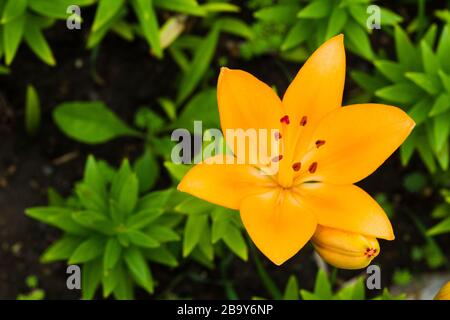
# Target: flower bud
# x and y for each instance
(444, 293)
(345, 250)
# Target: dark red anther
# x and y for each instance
(277, 158)
(312, 167)
(304, 121)
(296, 166)
(285, 119)
(320, 143)
(277, 135)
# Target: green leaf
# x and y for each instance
(278, 14)
(142, 218)
(61, 249)
(147, 170)
(309, 296)
(443, 156)
(391, 70)
(110, 280)
(441, 125)
(423, 81)
(162, 233)
(213, 7)
(88, 250)
(90, 278)
(56, 8)
(149, 24)
(358, 40)
(120, 178)
(202, 107)
(443, 49)
(367, 82)
(407, 148)
(93, 177)
(183, 6)
(235, 27)
(194, 206)
(32, 111)
(298, 34)
(161, 255)
(90, 122)
(154, 200)
(322, 286)
(59, 217)
(336, 23)
(113, 250)
(400, 93)
(141, 239)
(235, 241)
(12, 35)
(124, 286)
(195, 225)
(13, 9)
(441, 104)
(389, 18)
(177, 171)
(199, 65)
(353, 291)
(90, 198)
(316, 9)
(205, 245)
(36, 41)
(95, 221)
(406, 52)
(429, 59)
(129, 194)
(445, 79)
(139, 269)
(419, 111)
(292, 291)
(106, 10)
(440, 228)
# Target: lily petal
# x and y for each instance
(277, 224)
(357, 140)
(248, 103)
(315, 92)
(345, 207)
(221, 181)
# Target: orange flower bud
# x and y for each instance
(444, 293)
(345, 250)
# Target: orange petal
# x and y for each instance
(247, 103)
(345, 207)
(357, 140)
(316, 91)
(277, 224)
(224, 184)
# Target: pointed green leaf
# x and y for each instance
(139, 269)
(106, 10)
(195, 225)
(113, 250)
(88, 250)
(61, 249)
(149, 24)
(91, 275)
(292, 291)
(12, 35)
(32, 111)
(13, 9)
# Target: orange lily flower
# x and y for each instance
(325, 149)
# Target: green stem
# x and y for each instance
(268, 283)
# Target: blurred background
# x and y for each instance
(91, 90)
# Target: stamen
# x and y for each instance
(277, 158)
(304, 121)
(285, 119)
(312, 167)
(320, 143)
(370, 252)
(296, 166)
(277, 135)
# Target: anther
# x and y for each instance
(277, 135)
(320, 143)
(312, 167)
(304, 121)
(277, 158)
(296, 166)
(285, 119)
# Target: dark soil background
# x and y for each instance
(123, 75)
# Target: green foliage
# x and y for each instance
(35, 293)
(419, 82)
(112, 230)
(289, 27)
(32, 111)
(442, 211)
